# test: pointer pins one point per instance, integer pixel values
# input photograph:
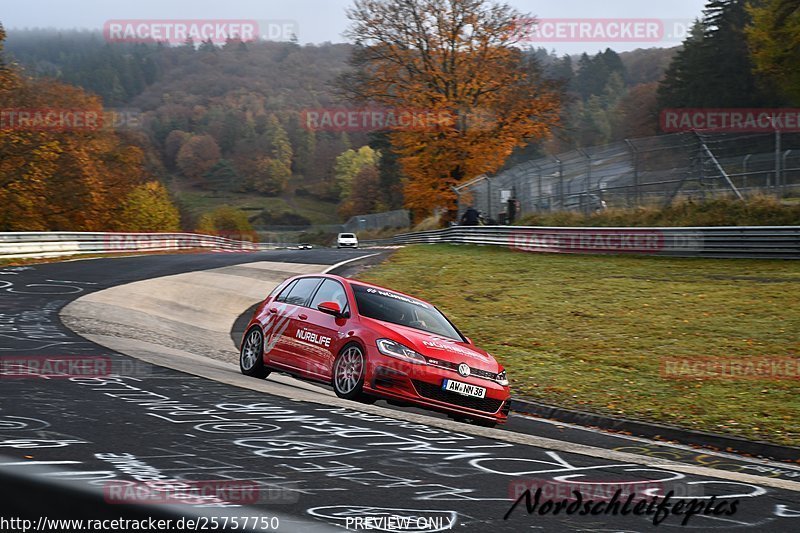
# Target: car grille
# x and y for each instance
(472, 371)
(434, 392)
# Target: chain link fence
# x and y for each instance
(648, 171)
(378, 221)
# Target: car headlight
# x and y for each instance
(399, 351)
(502, 378)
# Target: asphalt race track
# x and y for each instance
(322, 461)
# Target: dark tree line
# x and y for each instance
(715, 67)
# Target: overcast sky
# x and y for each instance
(318, 21)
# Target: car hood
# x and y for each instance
(437, 347)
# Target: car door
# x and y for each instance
(274, 322)
(289, 309)
(321, 332)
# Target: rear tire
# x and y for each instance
(349, 371)
(251, 354)
(367, 399)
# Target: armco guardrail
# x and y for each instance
(57, 243)
(779, 242)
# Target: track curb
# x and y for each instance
(654, 431)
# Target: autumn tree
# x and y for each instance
(172, 145)
(365, 196)
(148, 207)
(226, 221)
(349, 164)
(450, 58)
(70, 177)
(774, 40)
(636, 113)
(197, 156)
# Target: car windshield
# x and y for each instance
(347, 236)
(388, 306)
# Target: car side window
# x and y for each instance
(285, 292)
(302, 291)
(330, 291)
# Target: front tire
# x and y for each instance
(474, 421)
(349, 371)
(251, 354)
(484, 423)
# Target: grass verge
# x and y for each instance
(197, 201)
(754, 211)
(590, 332)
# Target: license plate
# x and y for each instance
(464, 389)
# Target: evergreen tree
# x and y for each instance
(223, 177)
(714, 68)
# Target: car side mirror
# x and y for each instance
(469, 341)
(331, 308)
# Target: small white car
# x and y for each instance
(346, 240)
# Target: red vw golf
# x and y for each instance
(370, 342)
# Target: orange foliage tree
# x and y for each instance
(71, 177)
(458, 60)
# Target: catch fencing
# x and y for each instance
(377, 221)
(773, 242)
(648, 171)
(54, 244)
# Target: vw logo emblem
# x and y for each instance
(463, 369)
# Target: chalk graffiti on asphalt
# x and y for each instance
(21, 423)
(37, 329)
(299, 448)
(712, 461)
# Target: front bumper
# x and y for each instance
(422, 385)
